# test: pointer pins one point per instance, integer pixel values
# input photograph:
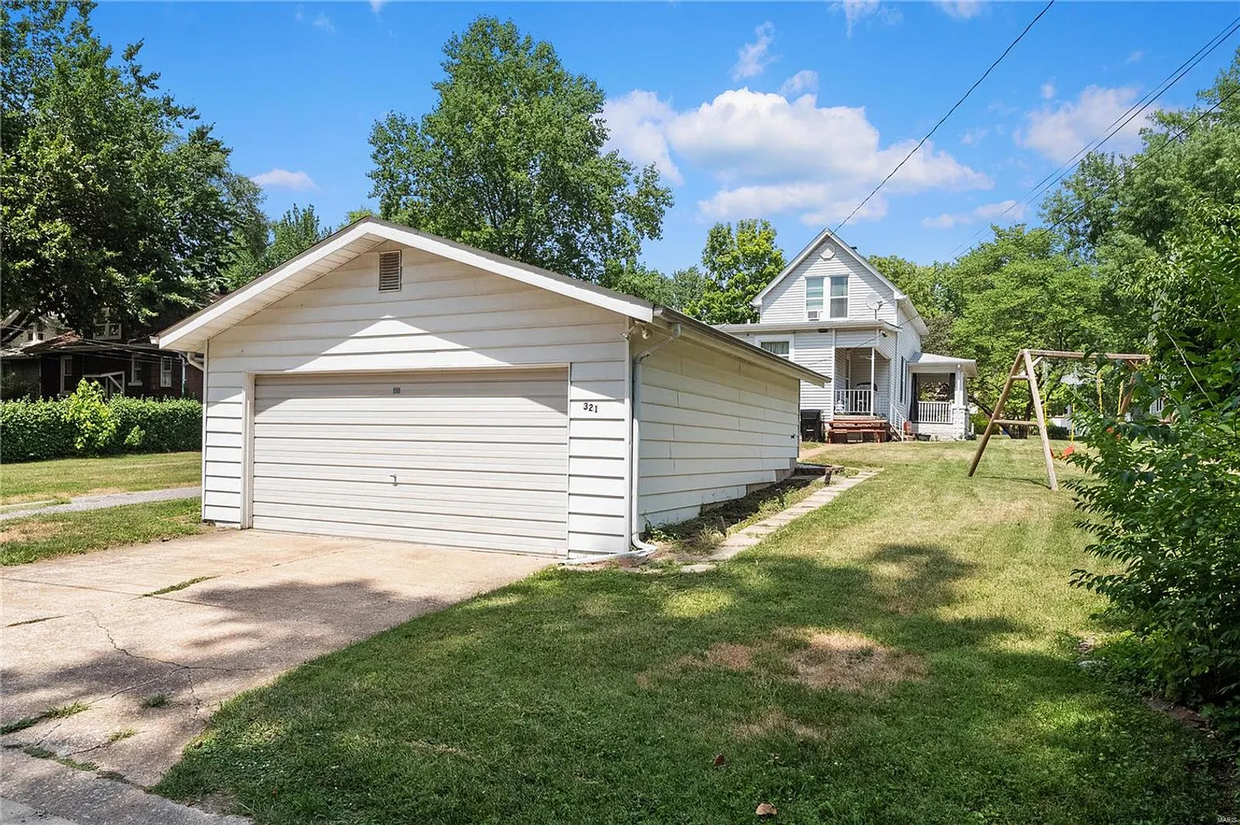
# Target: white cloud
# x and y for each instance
(753, 58)
(377, 5)
(857, 10)
(284, 179)
(1008, 210)
(321, 22)
(800, 83)
(1059, 132)
(974, 136)
(770, 155)
(1136, 56)
(1048, 90)
(636, 125)
(961, 9)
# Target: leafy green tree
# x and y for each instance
(1021, 290)
(112, 197)
(511, 160)
(1163, 493)
(295, 232)
(738, 265)
(925, 287)
(688, 287)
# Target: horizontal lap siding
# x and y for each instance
(786, 302)
(446, 317)
(711, 426)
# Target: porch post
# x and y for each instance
(872, 388)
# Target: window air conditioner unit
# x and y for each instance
(814, 314)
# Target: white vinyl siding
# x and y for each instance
(786, 303)
(447, 316)
(451, 458)
(711, 427)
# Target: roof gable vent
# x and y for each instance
(389, 271)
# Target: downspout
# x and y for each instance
(640, 549)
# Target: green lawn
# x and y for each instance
(34, 538)
(905, 655)
(67, 477)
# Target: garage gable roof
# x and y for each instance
(360, 237)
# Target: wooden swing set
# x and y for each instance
(1024, 369)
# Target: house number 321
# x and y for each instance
(590, 406)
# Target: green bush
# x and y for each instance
(41, 430)
(34, 431)
(93, 421)
(1163, 496)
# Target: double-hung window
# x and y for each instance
(165, 372)
(777, 346)
(839, 296)
(813, 298)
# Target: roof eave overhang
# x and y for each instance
(726, 342)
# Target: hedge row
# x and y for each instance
(39, 430)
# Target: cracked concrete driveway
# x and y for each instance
(149, 669)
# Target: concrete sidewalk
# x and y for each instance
(54, 794)
(83, 503)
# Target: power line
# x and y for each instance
(1153, 153)
(950, 111)
(1112, 128)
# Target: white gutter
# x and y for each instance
(641, 549)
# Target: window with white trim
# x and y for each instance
(66, 371)
(777, 346)
(813, 298)
(839, 296)
(165, 372)
(135, 371)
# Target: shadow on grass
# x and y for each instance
(589, 697)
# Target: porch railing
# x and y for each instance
(934, 412)
(853, 402)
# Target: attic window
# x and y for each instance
(389, 271)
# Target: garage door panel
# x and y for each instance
(412, 499)
(509, 481)
(480, 458)
(433, 538)
(383, 436)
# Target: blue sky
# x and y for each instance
(790, 112)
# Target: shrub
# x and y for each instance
(41, 430)
(93, 421)
(1164, 494)
(34, 431)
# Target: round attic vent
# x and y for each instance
(828, 252)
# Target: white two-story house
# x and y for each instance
(833, 312)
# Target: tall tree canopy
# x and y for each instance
(738, 264)
(511, 160)
(295, 232)
(113, 197)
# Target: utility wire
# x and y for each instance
(950, 111)
(1112, 128)
(1153, 153)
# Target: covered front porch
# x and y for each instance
(938, 407)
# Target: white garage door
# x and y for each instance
(476, 459)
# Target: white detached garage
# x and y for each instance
(390, 384)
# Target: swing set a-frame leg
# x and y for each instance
(997, 414)
(1036, 394)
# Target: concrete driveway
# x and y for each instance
(150, 669)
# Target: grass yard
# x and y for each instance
(62, 479)
(905, 655)
(34, 538)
